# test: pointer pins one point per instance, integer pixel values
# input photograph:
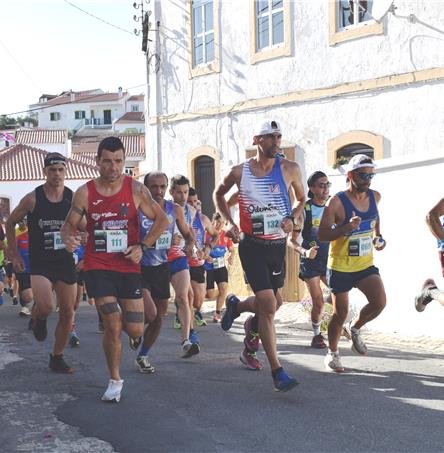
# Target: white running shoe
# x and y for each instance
(189, 349)
(143, 364)
(25, 312)
(113, 391)
(358, 344)
(332, 362)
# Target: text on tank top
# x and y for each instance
(44, 223)
(263, 202)
(159, 253)
(113, 226)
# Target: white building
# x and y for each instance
(338, 81)
(85, 110)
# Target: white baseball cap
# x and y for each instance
(267, 127)
(360, 161)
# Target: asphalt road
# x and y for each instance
(392, 400)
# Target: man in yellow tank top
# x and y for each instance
(352, 226)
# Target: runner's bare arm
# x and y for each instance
(206, 222)
(185, 230)
(433, 220)
(26, 204)
(332, 216)
(233, 200)
(75, 220)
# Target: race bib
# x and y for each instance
(267, 223)
(110, 241)
(164, 241)
(53, 241)
(360, 246)
(218, 262)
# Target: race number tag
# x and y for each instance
(164, 241)
(53, 241)
(110, 241)
(266, 223)
(360, 246)
(218, 262)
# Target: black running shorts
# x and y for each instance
(57, 271)
(197, 274)
(219, 275)
(263, 263)
(156, 279)
(24, 280)
(121, 285)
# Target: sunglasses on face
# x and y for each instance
(324, 185)
(366, 176)
(276, 136)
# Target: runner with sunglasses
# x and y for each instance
(351, 223)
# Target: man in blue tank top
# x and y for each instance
(429, 290)
(266, 217)
(351, 224)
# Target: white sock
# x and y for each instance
(316, 328)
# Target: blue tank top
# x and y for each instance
(263, 202)
(159, 253)
(310, 236)
(78, 254)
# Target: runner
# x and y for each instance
(179, 269)
(429, 290)
(113, 249)
(313, 263)
(351, 223)
(202, 226)
(24, 278)
(51, 266)
(216, 265)
(155, 270)
(266, 217)
(2, 263)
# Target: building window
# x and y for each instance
(54, 116)
(79, 114)
(269, 23)
(271, 29)
(134, 108)
(351, 19)
(129, 171)
(203, 31)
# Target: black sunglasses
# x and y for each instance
(365, 176)
(324, 185)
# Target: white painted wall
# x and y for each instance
(122, 127)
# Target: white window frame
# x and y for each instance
(203, 34)
(79, 114)
(270, 13)
(57, 116)
(204, 67)
(134, 108)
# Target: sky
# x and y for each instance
(49, 46)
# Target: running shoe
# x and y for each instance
(358, 344)
(332, 362)
(112, 394)
(100, 328)
(24, 312)
(189, 349)
(217, 317)
(345, 333)
(134, 343)
(250, 360)
(424, 297)
(144, 365)
(15, 301)
(318, 342)
(199, 320)
(283, 382)
(176, 323)
(194, 337)
(58, 364)
(6, 290)
(230, 313)
(74, 339)
(251, 340)
(39, 329)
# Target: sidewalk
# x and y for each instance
(291, 315)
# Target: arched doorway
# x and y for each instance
(204, 181)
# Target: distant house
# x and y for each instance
(51, 140)
(80, 110)
(21, 171)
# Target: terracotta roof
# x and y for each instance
(137, 97)
(88, 158)
(132, 117)
(25, 163)
(79, 97)
(134, 145)
(39, 136)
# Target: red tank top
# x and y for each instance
(112, 225)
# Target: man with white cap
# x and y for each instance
(266, 217)
(351, 223)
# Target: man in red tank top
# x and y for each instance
(113, 249)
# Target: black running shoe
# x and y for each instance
(134, 343)
(14, 301)
(39, 329)
(58, 364)
(74, 340)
